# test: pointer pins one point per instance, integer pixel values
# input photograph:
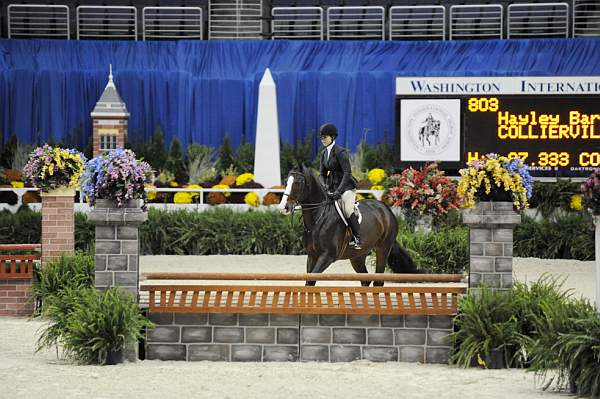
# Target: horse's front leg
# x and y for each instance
(322, 263)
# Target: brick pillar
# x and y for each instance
(117, 244)
(58, 224)
(491, 226)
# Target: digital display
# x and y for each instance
(555, 135)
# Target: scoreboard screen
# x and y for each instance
(547, 132)
(553, 124)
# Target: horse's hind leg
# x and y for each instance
(359, 266)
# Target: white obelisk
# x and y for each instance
(266, 152)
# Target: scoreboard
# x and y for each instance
(552, 123)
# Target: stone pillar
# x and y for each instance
(58, 224)
(117, 244)
(491, 226)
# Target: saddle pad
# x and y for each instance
(341, 213)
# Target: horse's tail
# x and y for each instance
(400, 261)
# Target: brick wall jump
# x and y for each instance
(292, 337)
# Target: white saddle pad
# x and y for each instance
(341, 213)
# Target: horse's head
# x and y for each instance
(296, 190)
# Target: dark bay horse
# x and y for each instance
(325, 234)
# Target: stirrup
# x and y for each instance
(355, 243)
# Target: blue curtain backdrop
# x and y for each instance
(201, 91)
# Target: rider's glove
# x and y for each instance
(334, 195)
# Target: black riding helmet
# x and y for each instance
(328, 129)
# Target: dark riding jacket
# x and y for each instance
(336, 172)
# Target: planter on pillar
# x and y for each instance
(491, 226)
(117, 244)
(58, 223)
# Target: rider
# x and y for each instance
(336, 175)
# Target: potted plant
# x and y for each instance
(55, 170)
(93, 327)
(117, 177)
(424, 194)
(495, 178)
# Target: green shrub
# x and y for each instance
(56, 310)
(219, 231)
(565, 236)
(66, 272)
(91, 325)
(440, 251)
(579, 350)
(546, 348)
(486, 325)
(23, 227)
(546, 198)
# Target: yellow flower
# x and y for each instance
(194, 195)
(222, 186)
(182, 198)
(576, 202)
(151, 194)
(376, 175)
(377, 187)
(244, 178)
(251, 199)
(173, 184)
(359, 197)
(17, 184)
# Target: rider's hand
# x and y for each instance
(334, 195)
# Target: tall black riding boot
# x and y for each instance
(355, 226)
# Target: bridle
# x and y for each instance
(299, 178)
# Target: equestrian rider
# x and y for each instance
(336, 176)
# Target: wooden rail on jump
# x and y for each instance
(201, 298)
(18, 266)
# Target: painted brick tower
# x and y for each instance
(109, 120)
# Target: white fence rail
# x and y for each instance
(172, 23)
(545, 20)
(107, 22)
(417, 23)
(297, 23)
(38, 20)
(477, 21)
(356, 23)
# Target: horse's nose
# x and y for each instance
(283, 207)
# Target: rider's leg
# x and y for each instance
(348, 200)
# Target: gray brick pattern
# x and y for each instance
(117, 246)
(280, 338)
(491, 226)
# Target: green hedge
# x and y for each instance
(222, 231)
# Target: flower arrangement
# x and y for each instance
(498, 178)
(244, 178)
(252, 199)
(376, 175)
(426, 191)
(590, 190)
(50, 168)
(116, 175)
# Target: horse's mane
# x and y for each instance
(312, 179)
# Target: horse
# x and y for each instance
(326, 236)
(431, 129)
